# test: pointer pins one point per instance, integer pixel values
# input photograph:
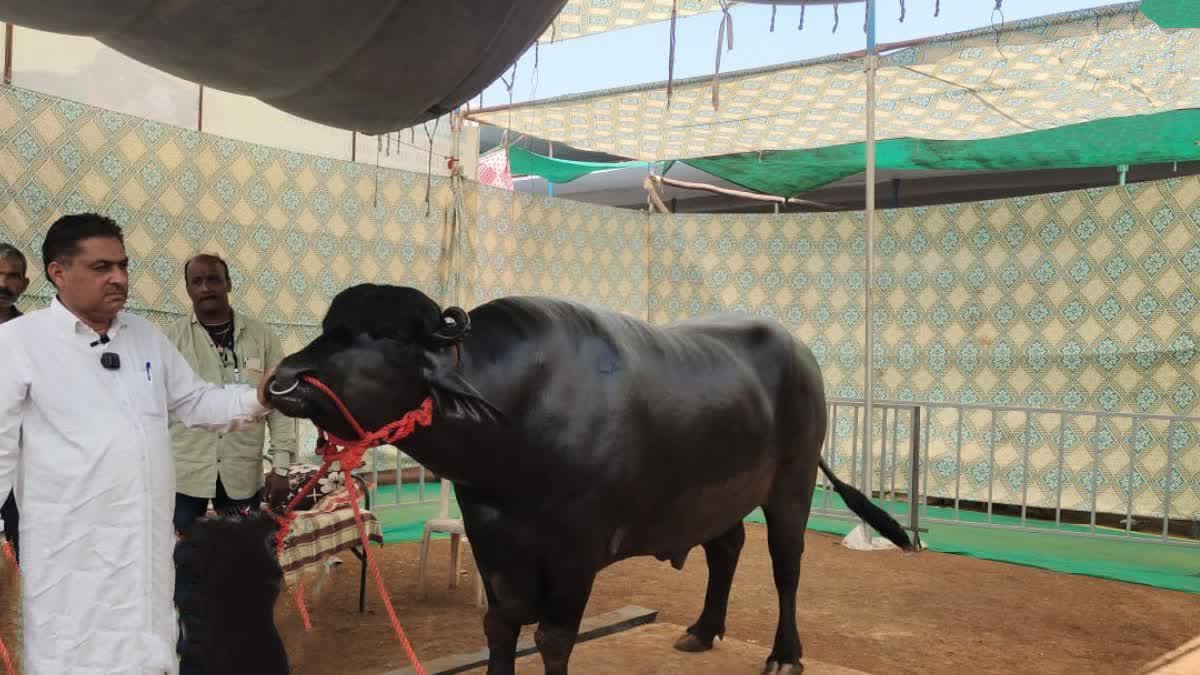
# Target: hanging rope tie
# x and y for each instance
(429, 169)
(836, 17)
(724, 36)
(774, 8)
(803, 6)
(937, 8)
(671, 53)
(903, 11)
(378, 150)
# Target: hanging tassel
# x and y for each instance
(538, 44)
(774, 8)
(903, 11)
(724, 35)
(803, 5)
(836, 19)
(937, 8)
(671, 54)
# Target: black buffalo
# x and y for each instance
(576, 437)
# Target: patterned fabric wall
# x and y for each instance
(1084, 300)
(1081, 300)
(296, 229)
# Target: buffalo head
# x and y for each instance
(382, 350)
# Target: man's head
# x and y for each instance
(14, 278)
(84, 256)
(208, 284)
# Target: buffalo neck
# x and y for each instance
(460, 450)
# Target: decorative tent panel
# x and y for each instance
(1031, 75)
(580, 18)
(361, 78)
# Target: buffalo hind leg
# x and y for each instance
(722, 554)
(564, 601)
(785, 538)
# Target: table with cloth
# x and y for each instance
(325, 526)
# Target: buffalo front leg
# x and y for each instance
(502, 633)
(722, 554)
(512, 603)
(565, 599)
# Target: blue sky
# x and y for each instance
(639, 55)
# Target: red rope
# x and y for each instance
(8, 664)
(300, 604)
(349, 455)
(5, 657)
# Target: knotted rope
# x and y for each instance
(349, 455)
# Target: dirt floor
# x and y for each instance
(878, 612)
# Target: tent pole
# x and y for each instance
(865, 535)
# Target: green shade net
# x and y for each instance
(1173, 13)
(525, 163)
(1143, 139)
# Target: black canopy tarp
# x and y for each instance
(367, 65)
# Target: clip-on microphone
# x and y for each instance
(108, 360)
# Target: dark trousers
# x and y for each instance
(188, 510)
(8, 513)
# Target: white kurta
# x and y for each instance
(90, 457)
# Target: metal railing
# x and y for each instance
(1070, 472)
(1076, 468)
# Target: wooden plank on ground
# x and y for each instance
(593, 627)
(649, 650)
(1181, 661)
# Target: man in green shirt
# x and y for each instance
(225, 347)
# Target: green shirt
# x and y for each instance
(200, 456)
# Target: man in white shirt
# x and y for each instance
(85, 393)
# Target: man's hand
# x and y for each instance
(262, 387)
(278, 488)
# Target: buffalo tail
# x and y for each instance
(873, 515)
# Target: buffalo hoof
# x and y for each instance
(774, 667)
(692, 644)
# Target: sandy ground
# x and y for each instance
(878, 612)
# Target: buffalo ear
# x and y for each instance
(454, 396)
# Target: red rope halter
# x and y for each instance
(349, 454)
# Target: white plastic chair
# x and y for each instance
(453, 527)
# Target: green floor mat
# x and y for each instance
(1145, 561)
(403, 519)
(1154, 564)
